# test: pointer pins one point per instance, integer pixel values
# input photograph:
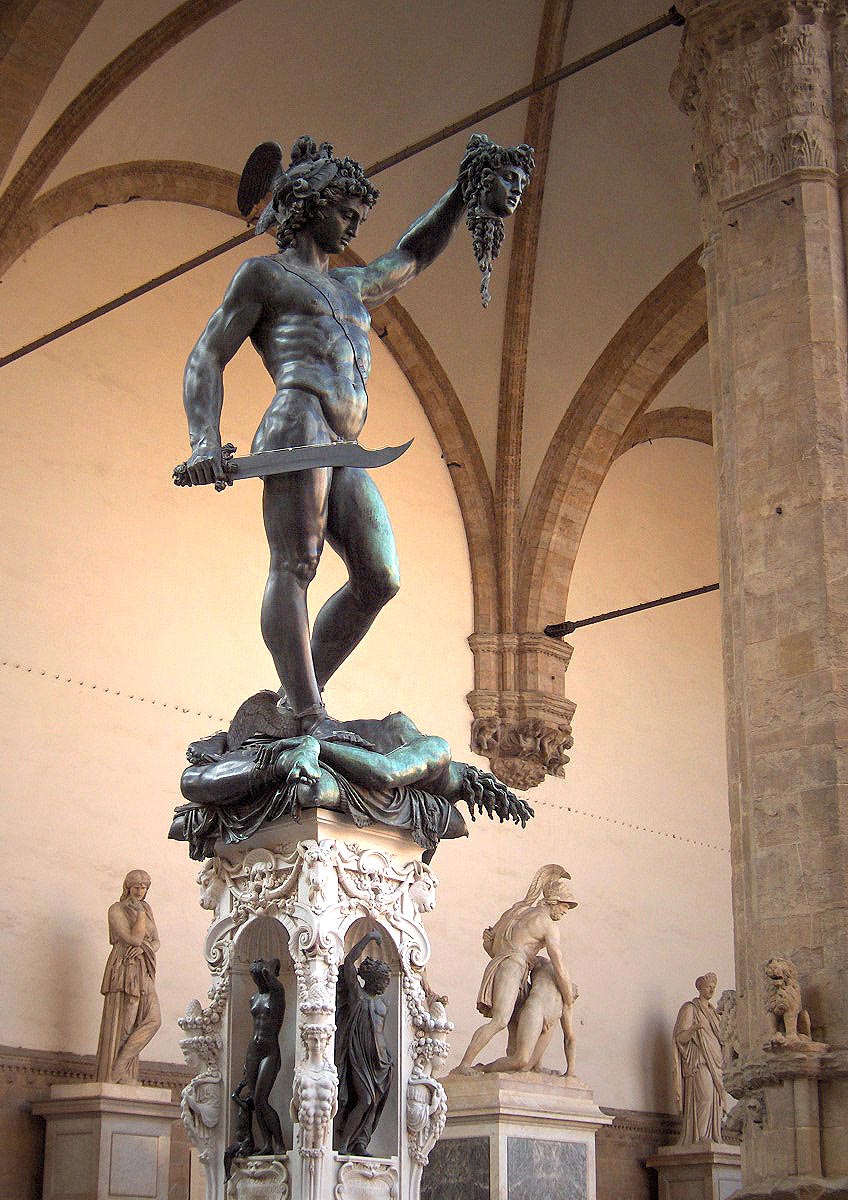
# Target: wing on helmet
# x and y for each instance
(256, 716)
(317, 173)
(260, 175)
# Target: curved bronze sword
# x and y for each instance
(295, 458)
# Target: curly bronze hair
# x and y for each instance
(483, 159)
(483, 792)
(297, 200)
(375, 975)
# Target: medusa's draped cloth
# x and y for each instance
(425, 814)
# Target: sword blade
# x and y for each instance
(304, 458)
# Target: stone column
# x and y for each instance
(763, 81)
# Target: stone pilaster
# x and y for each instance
(763, 81)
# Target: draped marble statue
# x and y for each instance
(130, 1006)
(699, 1088)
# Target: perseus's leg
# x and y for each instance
(294, 508)
(359, 530)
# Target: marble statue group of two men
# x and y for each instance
(522, 990)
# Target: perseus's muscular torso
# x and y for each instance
(312, 336)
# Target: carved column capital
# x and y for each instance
(522, 718)
(759, 79)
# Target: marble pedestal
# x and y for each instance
(702, 1171)
(515, 1136)
(305, 893)
(107, 1140)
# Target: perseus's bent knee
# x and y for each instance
(377, 589)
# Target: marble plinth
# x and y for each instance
(515, 1136)
(107, 1140)
(701, 1171)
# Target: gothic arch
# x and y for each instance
(660, 335)
(96, 96)
(693, 424)
(35, 36)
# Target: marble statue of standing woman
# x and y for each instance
(698, 1058)
(130, 1007)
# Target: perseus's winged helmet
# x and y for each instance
(311, 168)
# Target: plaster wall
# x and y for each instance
(130, 626)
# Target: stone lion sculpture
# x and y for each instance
(789, 1021)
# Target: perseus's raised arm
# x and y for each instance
(203, 382)
(425, 239)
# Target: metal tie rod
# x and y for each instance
(567, 627)
(672, 17)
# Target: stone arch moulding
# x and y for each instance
(215, 188)
(693, 424)
(522, 717)
(657, 339)
(96, 96)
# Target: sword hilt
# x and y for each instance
(227, 452)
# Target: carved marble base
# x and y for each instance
(305, 893)
(107, 1140)
(702, 1171)
(515, 1136)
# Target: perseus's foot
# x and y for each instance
(317, 723)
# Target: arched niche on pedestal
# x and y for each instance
(384, 1143)
(263, 937)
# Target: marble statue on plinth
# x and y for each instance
(699, 1087)
(130, 1005)
(704, 1161)
(522, 990)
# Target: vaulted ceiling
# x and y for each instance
(591, 343)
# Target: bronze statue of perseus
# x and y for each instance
(309, 322)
